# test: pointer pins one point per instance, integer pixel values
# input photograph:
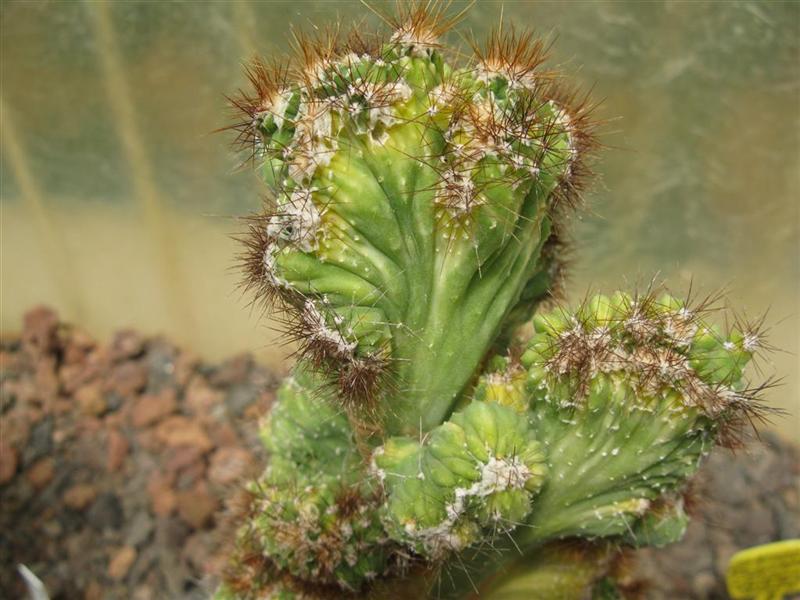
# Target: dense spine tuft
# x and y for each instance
(657, 344)
(396, 177)
(473, 479)
(414, 221)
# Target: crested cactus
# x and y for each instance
(475, 473)
(412, 227)
(411, 203)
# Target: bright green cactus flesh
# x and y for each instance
(554, 572)
(475, 475)
(412, 200)
(411, 233)
(626, 397)
(592, 434)
(313, 514)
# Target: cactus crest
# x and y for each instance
(477, 472)
(409, 198)
(413, 225)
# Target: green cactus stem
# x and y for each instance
(411, 200)
(313, 513)
(593, 435)
(413, 229)
(474, 474)
(623, 408)
(625, 395)
(554, 572)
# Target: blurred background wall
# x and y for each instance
(118, 203)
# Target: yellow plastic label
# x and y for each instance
(768, 572)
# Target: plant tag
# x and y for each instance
(768, 572)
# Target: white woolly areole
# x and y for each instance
(489, 139)
(681, 327)
(457, 190)
(751, 342)
(657, 369)
(298, 221)
(373, 465)
(489, 70)
(315, 139)
(274, 106)
(487, 109)
(563, 119)
(497, 475)
(318, 330)
(278, 105)
(323, 69)
(379, 100)
(443, 95)
(314, 143)
(269, 267)
(502, 474)
(416, 39)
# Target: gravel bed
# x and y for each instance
(117, 459)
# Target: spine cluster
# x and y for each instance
(658, 345)
(475, 474)
(414, 221)
(313, 521)
(395, 177)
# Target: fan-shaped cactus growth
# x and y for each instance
(411, 228)
(412, 200)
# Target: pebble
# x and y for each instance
(703, 583)
(40, 441)
(73, 376)
(77, 345)
(158, 485)
(16, 430)
(41, 472)
(223, 435)
(160, 362)
(47, 383)
(140, 528)
(91, 400)
(232, 371)
(178, 430)
(228, 465)
(163, 499)
(200, 397)
(106, 512)
(94, 591)
(80, 496)
(9, 459)
(143, 592)
(126, 343)
(151, 408)
(240, 397)
(197, 506)
(82, 421)
(127, 379)
(197, 551)
(117, 450)
(40, 327)
(121, 562)
(183, 457)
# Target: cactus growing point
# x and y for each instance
(411, 202)
(412, 226)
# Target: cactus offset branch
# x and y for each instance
(413, 225)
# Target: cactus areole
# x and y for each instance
(412, 226)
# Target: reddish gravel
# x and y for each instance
(115, 461)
